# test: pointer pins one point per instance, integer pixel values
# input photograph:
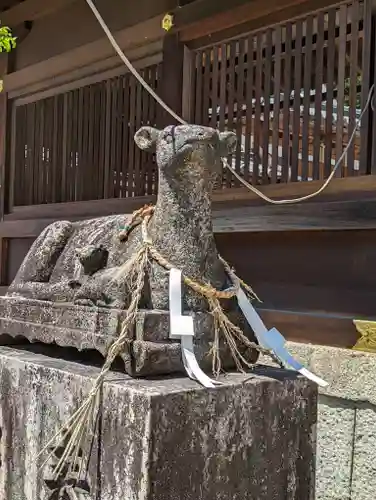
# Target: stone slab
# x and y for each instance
(364, 460)
(335, 438)
(346, 465)
(350, 374)
(161, 439)
(62, 323)
(149, 350)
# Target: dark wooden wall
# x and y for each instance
(328, 271)
(322, 271)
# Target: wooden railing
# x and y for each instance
(292, 93)
(79, 146)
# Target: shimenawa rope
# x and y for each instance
(77, 427)
(179, 119)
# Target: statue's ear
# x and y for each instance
(228, 141)
(146, 138)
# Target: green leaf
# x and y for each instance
(7, 41)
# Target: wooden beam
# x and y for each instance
(188, 84)
(33, 78)
(85, 209)
(4, 260)
(326, 216)
(202, 9)
(311, 327)
(242, 30)
(196, 38)
(23, 229)
(233, 16)
(236, 15)
(4, 62)
(235, 209)
(368, 78)
(171, 84)
(347, 188)
(30, 10)
(6, 65)
(319, 297)
(314, 258)
(344, 189)
(340, 189)
(141, 57)
(342, 215)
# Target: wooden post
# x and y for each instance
(367, 137)
(188, 94)
(171, 85)
(4, 58)
(370, 150)
(6, 62)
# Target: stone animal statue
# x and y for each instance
(188, 159)
(78, 262)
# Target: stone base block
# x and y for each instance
(163, 439)
(346, 439)
(149, 350)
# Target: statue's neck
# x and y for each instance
(181, 227)
(187, 201)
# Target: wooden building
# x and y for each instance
(290, 76)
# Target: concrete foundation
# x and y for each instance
(162, 439)
(346, 437)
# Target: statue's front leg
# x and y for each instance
(56, 292)
(42, 256)
(104, 289)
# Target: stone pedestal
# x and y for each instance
(346, 439)
(149, 350)
(163, 439)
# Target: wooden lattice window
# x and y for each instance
(79, 145)
(293, 93)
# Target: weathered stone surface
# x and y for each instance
(350, 374)
(148, 351)
(253, 438)
(81, 263)
(346, 420)
(363, 485)
(335, 438)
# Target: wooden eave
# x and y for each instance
(206, 22)
(28, 10)
(88, 63)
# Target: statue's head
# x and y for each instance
(185, 148)
(92, 258)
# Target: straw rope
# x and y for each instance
(78, 426)
(206, 290)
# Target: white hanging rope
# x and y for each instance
(326, 183)
(179, 119)
(129, 65)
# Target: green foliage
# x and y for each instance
(7, 40)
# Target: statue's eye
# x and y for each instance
(168, 138)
